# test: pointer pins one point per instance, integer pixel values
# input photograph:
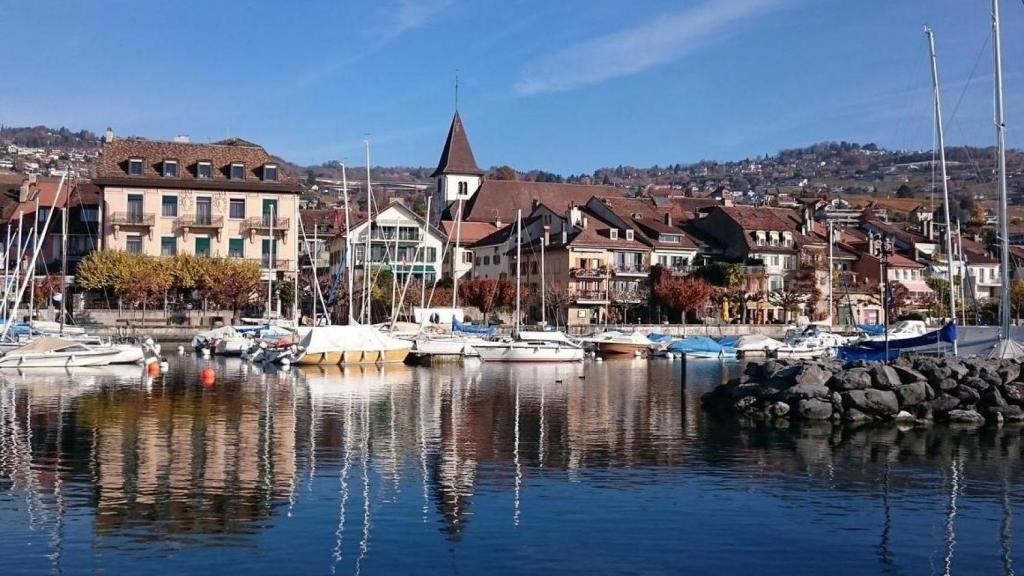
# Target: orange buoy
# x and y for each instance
(153, 368)
(209, 376)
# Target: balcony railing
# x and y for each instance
(590, 296)
(601, 272)
(198, 221)
(755, 270)
(683, 270)
(265, 223)
(631, 270)
(132, 219)
(276, 263)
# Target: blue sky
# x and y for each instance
(565, 86)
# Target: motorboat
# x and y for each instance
(756, 346)
(619, 343)
(349, 344)
(701, 347)
(532, 347)
(50, 352)
(461, 342)
(899, 331)
(811, 342)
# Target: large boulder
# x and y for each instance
(966, 417)
(992, 397)
(852, 379)
(854, 415)
(885, 377)
(944, 403)
(977, 383)
(784, 377)
(803, 391)
(912, 394)
(814, 409)
(1010, 372)
(944, 385)
(967, 396)
(812, 374)
(908, 375)
(777, 410)
(931, 369)
(956, 367)
(874, 402)
(1014, 393)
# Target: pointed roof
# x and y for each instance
(457, 157)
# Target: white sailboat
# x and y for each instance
(48, 352)
(529, 346)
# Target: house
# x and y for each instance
(229, 198)
(656, 226)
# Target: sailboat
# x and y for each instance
(529, 346)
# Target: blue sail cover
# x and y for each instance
(470, 329)
(867, 350)
(872, 329)
(659, 338)
(691, 344)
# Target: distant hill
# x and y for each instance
(46, 137)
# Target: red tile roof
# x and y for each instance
(113, 166)
(500, 199)
(650, 219)
(469, 232)
(457, 156)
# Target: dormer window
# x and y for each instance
(270, 172)
(135, 167)
(170, 168)
(670, 238)
(613, 233)
(204, 170)
(629, 234)
(760, 238)
(237, 171)
(787, 238)
(774, 238)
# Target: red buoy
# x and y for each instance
(153, 368)
(209, 376)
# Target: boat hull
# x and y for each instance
(520, 353)
(345, 357)
(45, 360)
(622, 348)
(456, 348)
(127, 354)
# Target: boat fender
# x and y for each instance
(164, 366)
(153, 368)
(286, 363)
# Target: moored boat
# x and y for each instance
(49, 352)
(532, 347)
(349, 344)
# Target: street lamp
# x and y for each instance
(881, 247)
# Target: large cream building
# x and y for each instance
(229, 198)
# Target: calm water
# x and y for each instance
(590, 468)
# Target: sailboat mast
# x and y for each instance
(519, 262)
(945, 183)
(369, 231)
(831, 302)
(543, 300)
(455, 256)
(349, 257)
(423, 281)
(1004, 234)
(270, 263)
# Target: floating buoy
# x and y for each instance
(181, 350)
(153, 368)
(209, 376)
(206, 352)
(285, 363)
(164, 365)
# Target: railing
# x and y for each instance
(260, 223)
(590, 296)
(601, 272)
(391, 237)
(755, 270)
(132, 219)
(198, 221)
(277, 263)
(631, 270)
(683, 270)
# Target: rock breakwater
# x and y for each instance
(918, 389)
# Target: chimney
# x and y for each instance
(668, 219)
(585, 221)
(573, 216)
(497, 220)
(26, 188)
(565, 236)
(182, 139)
(108, 136)
(547, 235)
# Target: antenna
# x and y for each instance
(456, 89)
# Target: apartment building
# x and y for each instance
(228, 198)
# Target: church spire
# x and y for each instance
(457, 157)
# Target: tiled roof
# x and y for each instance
(457, 156)
(469, 232)
(500, 199)
(113, 165)
(752, 218)
(649, 220)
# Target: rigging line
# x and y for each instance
(970, 77)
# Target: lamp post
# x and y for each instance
(882, 247)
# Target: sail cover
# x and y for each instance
(945, 334)
(470, 329)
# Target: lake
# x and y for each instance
(591, 468)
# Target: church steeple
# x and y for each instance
(457, 156)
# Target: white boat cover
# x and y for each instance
(555, 336)
(45, 344)
(756, 342)
(322, 339)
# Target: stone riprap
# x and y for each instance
(918, 389)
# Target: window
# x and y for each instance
(613, 234)
(204, 211)
(170, 168)
(270, 172)
(487, 260)
(204, 170)
(774, 260)
(478, 260)
(672, 238)
(497, 259)
(135, 167)
(663, 260)
(629, 234)
(760, 238)
(237, 171)
(236, 248)
(430, 254)
(169, 206)
(89, 214)
(42, 215)
(467, 257)
(463, 188)
(168, 246)
(270, 253)
(133, 244)
(236, 208)
(406, 233)
(203, 246)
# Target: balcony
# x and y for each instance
(137, 219)
(274, 264)
(192, 221)
(264, 224)
(631, 270)
(683, 270)
(755, 270)
(590, 297)
(592, 273)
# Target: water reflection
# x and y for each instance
(353, 469)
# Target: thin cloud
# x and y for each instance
(662, 39)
